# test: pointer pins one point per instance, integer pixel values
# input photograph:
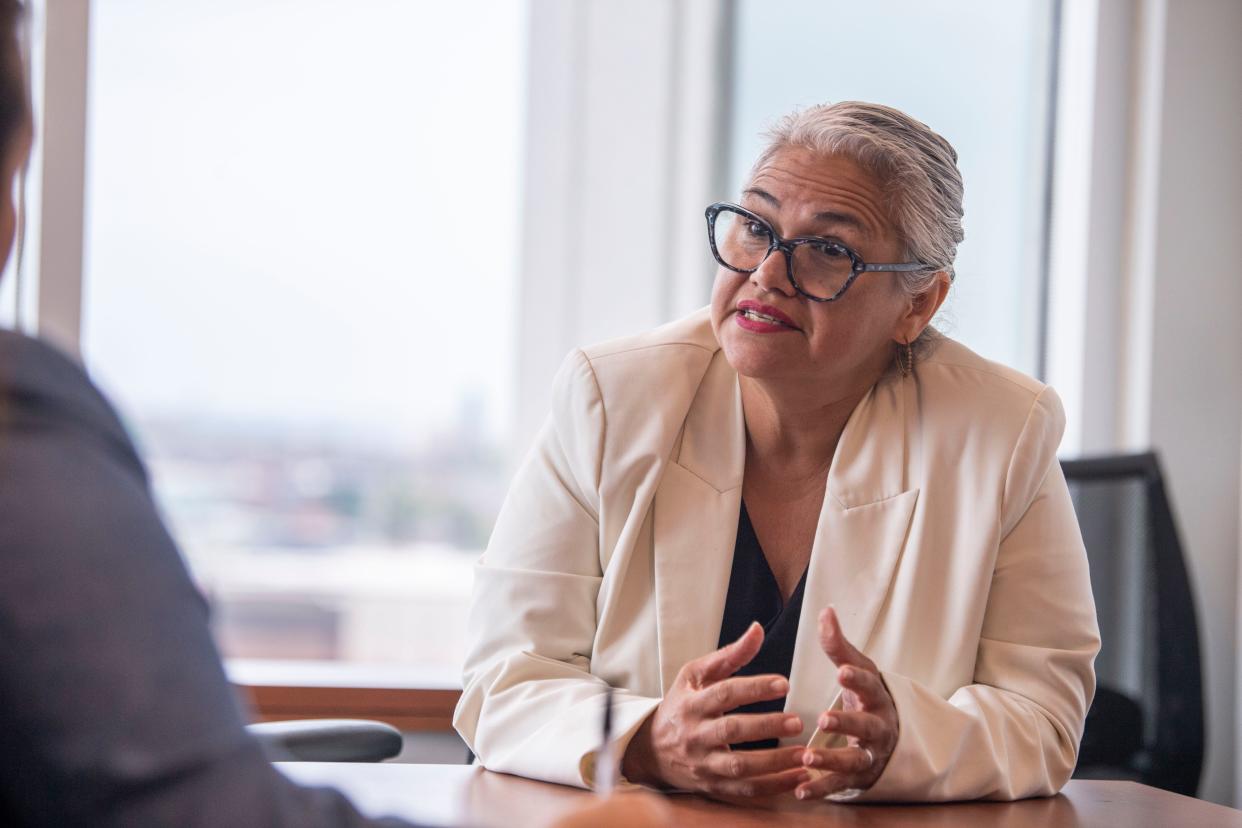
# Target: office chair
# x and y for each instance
(328, 740)
(1146, 722)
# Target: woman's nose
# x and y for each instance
(772, 274)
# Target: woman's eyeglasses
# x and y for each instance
(819, 269)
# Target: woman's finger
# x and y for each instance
(823, 785)
(839, 760)
(866, 727)
(731, 693)
(741, 764)
(770, 785)
(867, 685)
(835, 644)
(744, 727)
(726, 661)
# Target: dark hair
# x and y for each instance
(14, 106)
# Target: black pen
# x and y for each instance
(605, 764)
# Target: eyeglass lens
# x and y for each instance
(820, 269)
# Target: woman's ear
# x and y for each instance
(922, 308)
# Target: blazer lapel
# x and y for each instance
(695, 522)
(862, 531)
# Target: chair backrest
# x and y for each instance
(1146, 722)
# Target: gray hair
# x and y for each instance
(917, 169)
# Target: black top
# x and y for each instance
(114, 707)
(754, 595)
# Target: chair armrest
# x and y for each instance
(328, 740)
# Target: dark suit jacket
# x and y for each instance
(114, 707)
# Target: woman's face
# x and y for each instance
(843, 343)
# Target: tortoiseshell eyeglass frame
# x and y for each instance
(787, 246)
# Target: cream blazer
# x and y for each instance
(947, 542)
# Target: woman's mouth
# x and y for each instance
(762, 319)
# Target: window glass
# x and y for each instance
(301, 247)
(976, 71)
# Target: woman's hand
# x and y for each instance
(868, 718)
(685, 743)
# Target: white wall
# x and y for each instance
(1194, 398)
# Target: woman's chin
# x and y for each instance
(759, 360)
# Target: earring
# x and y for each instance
(906, 365)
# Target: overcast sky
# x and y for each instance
(305, 212)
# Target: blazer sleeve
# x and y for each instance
(1015, 731)
(530, 704)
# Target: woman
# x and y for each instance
(704, 494)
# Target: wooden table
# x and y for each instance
(464, 795)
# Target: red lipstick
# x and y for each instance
(757, 317)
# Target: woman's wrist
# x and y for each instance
(638, 764)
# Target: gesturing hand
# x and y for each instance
(868, 718)
(685, 742)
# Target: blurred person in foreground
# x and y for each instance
(114, 706)
(704, 494)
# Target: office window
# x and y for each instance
(977, 72)
(301, 247)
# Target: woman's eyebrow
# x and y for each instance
(762, 194)
(847, 219)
